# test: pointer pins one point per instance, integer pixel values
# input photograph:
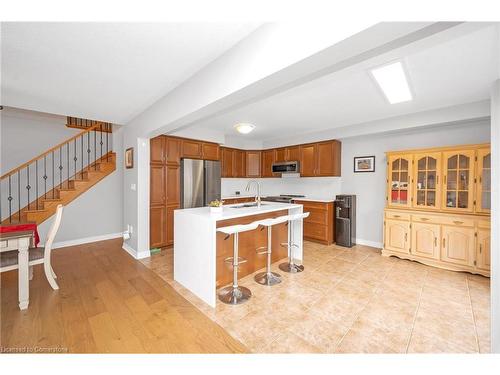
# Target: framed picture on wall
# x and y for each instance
(364, 164)
(129, 158)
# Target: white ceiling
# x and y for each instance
(105, 71)
(445, 73)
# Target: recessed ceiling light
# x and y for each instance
(393, 81)
(244, 128)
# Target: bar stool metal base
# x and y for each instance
(234, 296)
(268, 278)
(291, 267)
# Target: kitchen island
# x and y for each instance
(199, 250)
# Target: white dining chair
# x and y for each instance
(37, 255)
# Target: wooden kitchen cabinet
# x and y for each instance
(308, 155)
(210, 151)
(280, 155)
(483, 257)
(226, 162)
(426, 240)
(157, 183)
(157, 227)
(191, 149)
(170, 225)
(238, 163)
(252, 163)
(157, 150)
(320, 225)
(458, 245)
(397, 235)
(173, 150)
(173, 191)
(293, 153)
(268, 158)
(448, 213)
(328, 158)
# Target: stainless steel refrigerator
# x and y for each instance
(200, 182)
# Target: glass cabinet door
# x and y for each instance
(427, 171)
(458, 192)
(398, 181)
(483, 191)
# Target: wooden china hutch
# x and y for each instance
(438, 207)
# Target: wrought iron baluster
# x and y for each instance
(19, 195)
(60, 168)
(28, 187)
(95, 147)
(81, 171)
(100, 128)
(74, 157)
(53, 178)
(107, 148)
(36, 182)
(88, 151)
(10, 201)
(67, 161)
(45, 175)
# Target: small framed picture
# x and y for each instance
(129, 158)
(364, 164)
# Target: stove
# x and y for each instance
(283, 198)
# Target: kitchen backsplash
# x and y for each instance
(319, 187)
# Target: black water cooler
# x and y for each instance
(345, 220)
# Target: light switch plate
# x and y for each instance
(133, 187)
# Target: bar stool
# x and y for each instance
(290, 266)
(269, 278)
(234, 295)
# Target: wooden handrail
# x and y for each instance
(24, 165)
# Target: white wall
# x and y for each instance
(370, 187)
(97, 212)
(314, 187)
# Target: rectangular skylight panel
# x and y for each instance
(393, 82)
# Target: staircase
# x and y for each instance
(32, 191)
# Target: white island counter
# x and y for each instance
(195, 244)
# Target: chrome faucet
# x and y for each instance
(257, 197)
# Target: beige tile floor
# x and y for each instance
(354, 301)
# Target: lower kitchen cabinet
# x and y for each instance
(458, 245)
(397, 235)
(170, 225)
(157, 225)
(426, 240)
(483, 260)
(320, 225)
(450, 241)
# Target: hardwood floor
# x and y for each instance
(107, 303)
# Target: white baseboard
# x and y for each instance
(80, 241)
(136, 255)
(360, 241)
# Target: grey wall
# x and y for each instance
(97, 212)
(370, 187)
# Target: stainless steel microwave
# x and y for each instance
(286, 167)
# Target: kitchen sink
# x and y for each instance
(246, 205)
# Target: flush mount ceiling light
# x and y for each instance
(244, 128)
(393, 82)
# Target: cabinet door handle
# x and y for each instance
(458, 222)
(437, 179)
(444, 242)
(435, 241)
(406, 237)
(445, 179)
(424, 218)
(396, 216)
(480, 248)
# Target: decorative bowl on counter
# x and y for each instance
(216, 206)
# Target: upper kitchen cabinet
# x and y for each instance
(293, 153)
(226, 162)
(192, 149)
(157, 149)
(210, 151)
(328, 158)
(319, 159)
(252, 163)
(280, 155)
(398, 180)
(426, 175)
(483, 189)
(308, 159)
(458, 180)
(268, 158)
(173, 150)
(239, 163)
